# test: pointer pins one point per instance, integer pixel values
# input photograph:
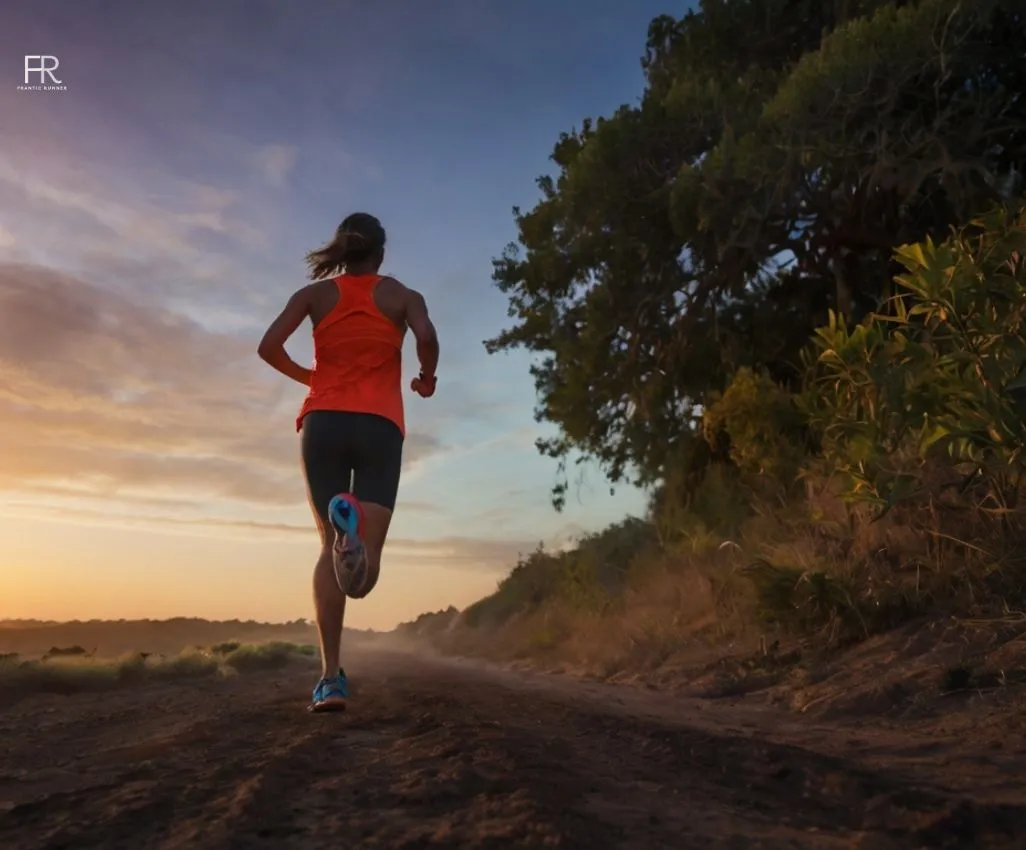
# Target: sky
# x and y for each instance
(154, 215)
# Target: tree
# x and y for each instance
(781, 150)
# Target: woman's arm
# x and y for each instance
(418, 321)
(272, 346)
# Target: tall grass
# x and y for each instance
(812, 569)
(65, 673)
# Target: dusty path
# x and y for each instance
(438, 754)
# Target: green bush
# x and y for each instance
(532, 580)
(267, 656)
(65, 652)
(696, 511)
(588, 577)
(78, 673)
(763, 426)
(934, 381)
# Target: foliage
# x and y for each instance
(759, 181)
(762, 426)
(697, 511)
(430, 622)
(532, 581)
(844, 174)
(586, 577)
(801, 601)
(267, 656)
(925, 393)
(73, 673)
(938, 379)
(79, 674)
(65, 651)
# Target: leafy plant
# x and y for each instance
(936, 379)
(762, 424)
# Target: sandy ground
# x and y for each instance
(450, 754)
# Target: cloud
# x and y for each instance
(172, 229)
(7, 239)
(103, 395)
(459, 552)
(127, 221)
(275, 163)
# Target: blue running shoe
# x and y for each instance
(349, 556)
(331, 693)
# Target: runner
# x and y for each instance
(352, 424)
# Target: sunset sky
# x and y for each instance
(153, 220)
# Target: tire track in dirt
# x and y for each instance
(437, 755)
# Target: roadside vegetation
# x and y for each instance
(72, 670)
(786, 293)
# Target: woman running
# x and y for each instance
(352, 424)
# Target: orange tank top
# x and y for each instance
(357, 356)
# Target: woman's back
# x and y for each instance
(357, 349)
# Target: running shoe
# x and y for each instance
(349, 556)
(331, 693)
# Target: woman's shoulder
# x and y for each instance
(317, 287)
(390, 282)
(390, 290)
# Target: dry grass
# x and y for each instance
(250, 658)
(769, 607)
(667, 613)
(64, 672)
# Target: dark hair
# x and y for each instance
(359, 237)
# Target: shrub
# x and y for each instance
(588, 577)
(936, 381)
(65, 652)
(763, 426)
(267, 656)
(78, 673)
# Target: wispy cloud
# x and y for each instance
(102, 394)
(472, 553)
(275, 163)
(140, 223)
(168, 235)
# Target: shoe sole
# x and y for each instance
(360, 518)
(348, 570)
(332, 704)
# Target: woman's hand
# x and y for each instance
(424, 386)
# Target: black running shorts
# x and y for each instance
(358, 453)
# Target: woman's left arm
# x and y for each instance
(272, 346)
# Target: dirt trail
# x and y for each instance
(444, 754)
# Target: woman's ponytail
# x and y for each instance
(358, 238)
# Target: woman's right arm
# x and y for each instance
(272, 347)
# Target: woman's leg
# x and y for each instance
(329, 603)
(377, 463)
(327, 473)
(378, 519)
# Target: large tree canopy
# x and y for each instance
(781, 150)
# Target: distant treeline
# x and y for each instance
(105, 638)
